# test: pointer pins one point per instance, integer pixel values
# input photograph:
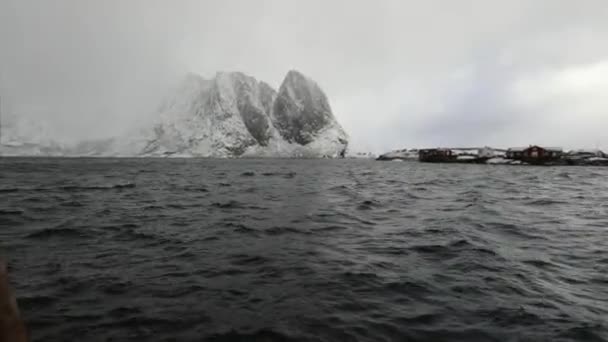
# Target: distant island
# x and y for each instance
(531, 155)
(232, 115)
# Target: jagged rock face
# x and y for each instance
(217, 118)
(235, 115)
(301, 109)
(254, 103)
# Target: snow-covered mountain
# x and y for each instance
(234, 115)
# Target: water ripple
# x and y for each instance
(305, 250)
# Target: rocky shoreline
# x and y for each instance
(532, 155)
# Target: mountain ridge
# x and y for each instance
(232, 115)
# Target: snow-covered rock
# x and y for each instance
(231, 115)
(301, 109)
(360, 155)
(404, 154)
(234, 115)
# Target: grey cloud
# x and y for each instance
(91, 68)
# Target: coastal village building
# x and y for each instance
(515, 153)
(436, 155)
(535, 154)
(487, 153)
(587, 153)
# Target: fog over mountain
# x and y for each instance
(396, 73)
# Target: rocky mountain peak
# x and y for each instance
(301, 109)
(234, 115)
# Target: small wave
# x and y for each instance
(339, 187)
(360, 279)
(247, 260)
(186, 255)
(179, 206)
(539, 263)
(264, 335)
(460, 244)
(422, 319)
(350, 217)
(36, 301)
(430, 249)
(211, 238)
(436, 251)
(153, 207)
(55, 232)
(227, 205)
(116, 288)
(512, 229)
(544, 202)
(225, 184)
(248, 174)
(586, 332)
(124, 311)
(73, 285)
(368, 205)
(285, 230)
(196, 189)
(509, 317)
(34, 199)
(9, 190)
(124, 186)
(241, 228)
(334, 228)
(285, 175)
(11, 212)
(72, 204)
(408, 288)
(387, 250)
(485, 251)
(133, 235)
(599, 280)
(100, 187)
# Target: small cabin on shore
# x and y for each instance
(535, 154)
(436, 155)
(587, 153)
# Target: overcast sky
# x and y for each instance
(398, 73)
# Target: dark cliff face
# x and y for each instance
(301, 109)
(253, 103)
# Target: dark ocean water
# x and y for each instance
(305, 250)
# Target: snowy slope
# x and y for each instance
(234, 115)
(23, 136)
(231, 115)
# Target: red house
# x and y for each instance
(535, 154)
